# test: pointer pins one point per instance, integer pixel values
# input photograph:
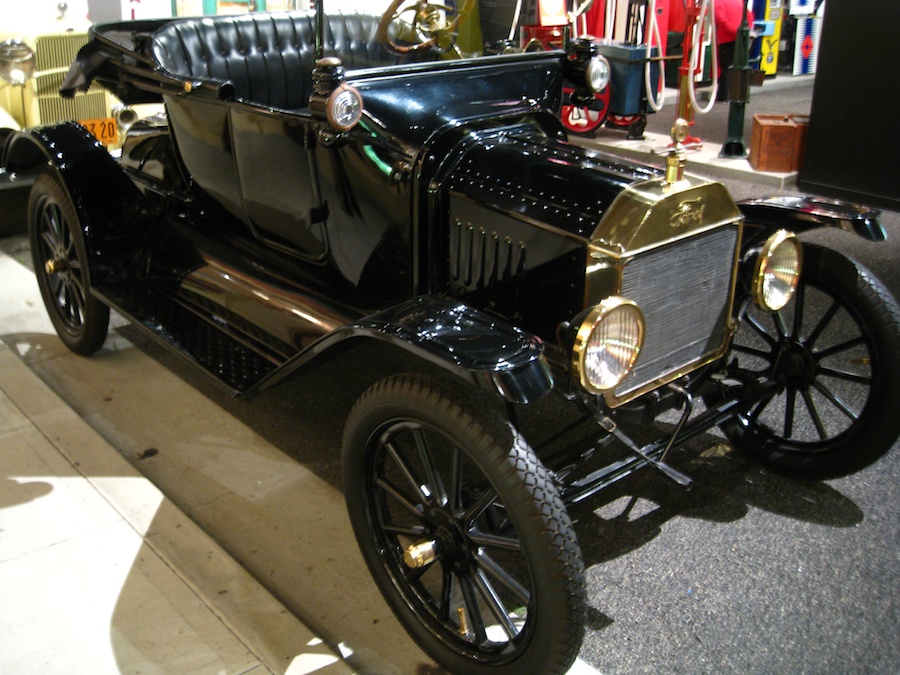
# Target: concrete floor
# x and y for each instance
(99, 571)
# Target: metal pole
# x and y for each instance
(685, 111)
(738, 92)
(320, 29)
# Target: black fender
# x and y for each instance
(109, 205)
(14, 190)
(799, 214)
(802, 213)
(472, 344)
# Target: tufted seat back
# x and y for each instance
(268, 58)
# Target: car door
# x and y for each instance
(278, 181)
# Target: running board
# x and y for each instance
(225, 358)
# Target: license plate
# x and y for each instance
(104, 130)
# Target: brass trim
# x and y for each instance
(614, 401)
(463, 623)
(595, 317)
(759, 273)
(332, 102)
(676, 160)
(646, 216)
(419, 555)
(652, 213)
(610, 397)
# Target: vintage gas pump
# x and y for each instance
(552, 28)
(807, 29)
(699, 28)
(768, 15)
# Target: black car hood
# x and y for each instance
(518, 169)
(415, 101)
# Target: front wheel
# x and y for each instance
(835, 354)
(463, 529)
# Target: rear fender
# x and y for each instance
(109, 205)
(802, 213)
(481, 349)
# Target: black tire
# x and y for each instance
(423, 461)
(835, 351)
(61, 267)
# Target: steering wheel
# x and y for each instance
(432, 26)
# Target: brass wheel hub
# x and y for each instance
(56, 266)
(420, 554)
(447, 541)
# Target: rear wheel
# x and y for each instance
(463, 529)
(61, 267)
(835, 354)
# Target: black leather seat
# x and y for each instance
(268, 58)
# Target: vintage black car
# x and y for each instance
(321, 181)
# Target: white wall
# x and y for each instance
(146, 9)
(34, 17)
(356, 5)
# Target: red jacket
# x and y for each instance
(728, 19)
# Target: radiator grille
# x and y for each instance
(53, 55)
(47, 84)
(82, 107)
(683, 290)
(55, 52)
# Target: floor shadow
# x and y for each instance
(726, 486)
(313, 407)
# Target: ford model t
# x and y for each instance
(323, 180)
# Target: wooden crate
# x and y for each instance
(778, 142)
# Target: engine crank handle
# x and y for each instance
(667, 470)
(687, 408)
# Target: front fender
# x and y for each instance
(801, 213)
(475, 346)
(108, 204)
